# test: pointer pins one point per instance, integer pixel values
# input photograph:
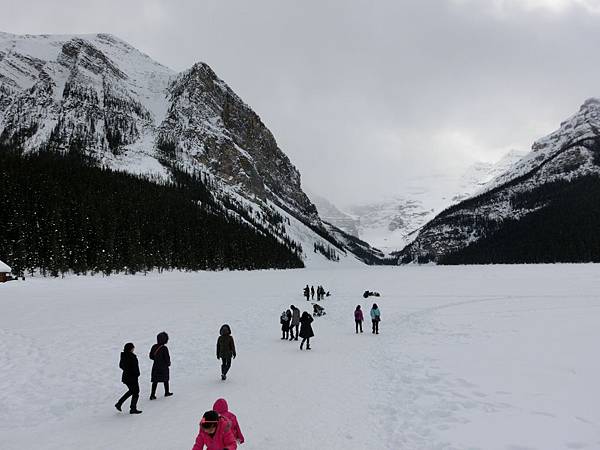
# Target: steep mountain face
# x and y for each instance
(208, 123)
(97, 96)
(517, 217)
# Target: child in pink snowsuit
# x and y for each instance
(222, 408)
(215, 433)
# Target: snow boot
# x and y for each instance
(135, 411)
(168, 394)
(223, 377)
(153, 397)
(118, 406)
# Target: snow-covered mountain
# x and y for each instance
(390, 224)
(545, 208)
(97, 95)
(479, 175)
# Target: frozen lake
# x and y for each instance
(489, 357)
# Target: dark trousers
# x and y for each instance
(375, 326)
(307, 340)
(285, 333)
(155, 384)
(358, 325)
(225, 364)
(133, 392)
(292, 332)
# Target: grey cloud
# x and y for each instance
(366, 97)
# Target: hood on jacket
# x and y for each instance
(225, 329)
(221, 406)
(162, 338)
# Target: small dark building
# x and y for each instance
(4, 272)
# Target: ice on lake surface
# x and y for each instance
(488, 357)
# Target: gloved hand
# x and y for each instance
(234, 356)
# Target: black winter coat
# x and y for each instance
(285, 324)
(131, 368)
(225, 346)
(160, 369)
(306, 330)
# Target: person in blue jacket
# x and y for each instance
(375, 318)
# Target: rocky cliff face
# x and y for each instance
(99, 96)
(208, 123)
(516, 199)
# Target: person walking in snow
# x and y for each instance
(295, 322)
(312, 292)
(358, 318)
(215, 433)
(306, 331)
(225, 349)
(159, 353)
(286, 317)
(131, 373)
(307, 292)
(375, 318)
(222, 408)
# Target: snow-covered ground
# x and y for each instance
(484, 357)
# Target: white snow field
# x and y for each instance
(489, 357)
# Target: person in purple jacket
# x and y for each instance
(358, 318)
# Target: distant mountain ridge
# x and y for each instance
(390, 224)
(545, 208)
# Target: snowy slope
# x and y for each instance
(467, 357)
(391, 223)
(98, 95)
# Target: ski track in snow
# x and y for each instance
(467, 358)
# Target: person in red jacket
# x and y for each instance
(222, 408)
(215, 433)
(358, 318)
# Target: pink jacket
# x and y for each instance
(358, 315)
(223, 437)
(222, 408)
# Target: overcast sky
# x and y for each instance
(366, 97)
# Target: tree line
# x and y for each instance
(562, 228)
(61, 213)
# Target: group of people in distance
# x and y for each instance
(292, 320)
(310, 293)
(159, 354)
(375, 318)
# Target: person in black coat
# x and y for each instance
(285, 320)
(225, 349)
(131, 372)
(159, 353)
(306, 331)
